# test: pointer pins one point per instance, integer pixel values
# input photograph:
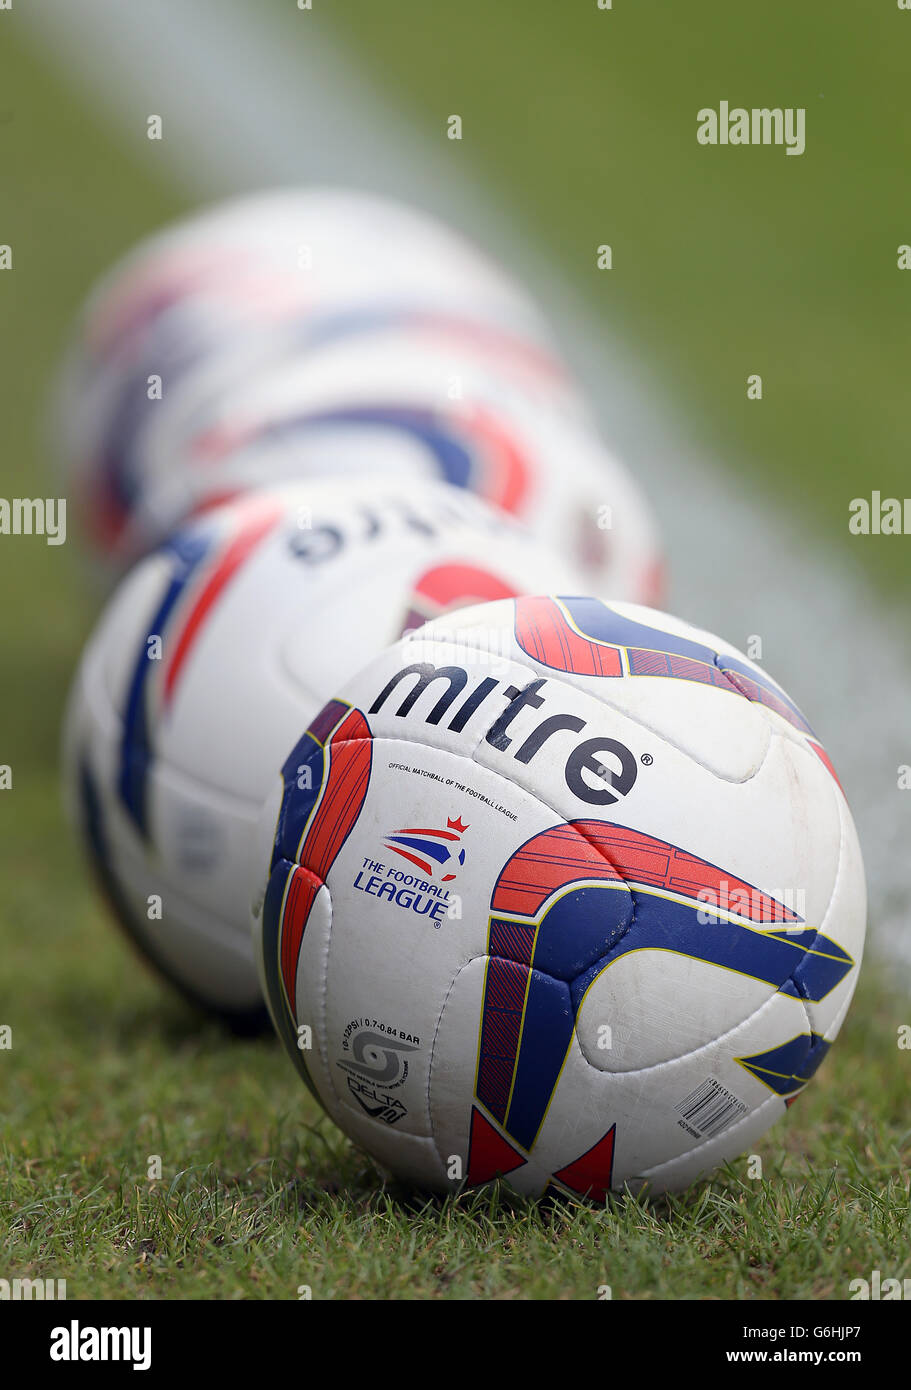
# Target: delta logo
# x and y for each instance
(426, 848)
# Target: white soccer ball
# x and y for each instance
(213, 654)
(231, 288)
(416, 400)
(573, 896)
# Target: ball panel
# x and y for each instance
(417, 868)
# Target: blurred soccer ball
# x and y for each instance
(233, 287)
(213, 654)
(415, 400)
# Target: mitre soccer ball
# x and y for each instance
(231, 288)
(571, 895)
(418, 400)
(213, 654)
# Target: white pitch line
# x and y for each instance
(252, 96)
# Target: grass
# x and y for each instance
(258, 1195)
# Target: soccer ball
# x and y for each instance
(416, 400)
(236, 286)
(213, 654)
(573, 896)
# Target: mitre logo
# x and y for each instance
(430, 849)
(597, 770)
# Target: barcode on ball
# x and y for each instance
(709, 1109)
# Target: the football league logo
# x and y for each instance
(425, 848)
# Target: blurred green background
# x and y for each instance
(727, 261)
